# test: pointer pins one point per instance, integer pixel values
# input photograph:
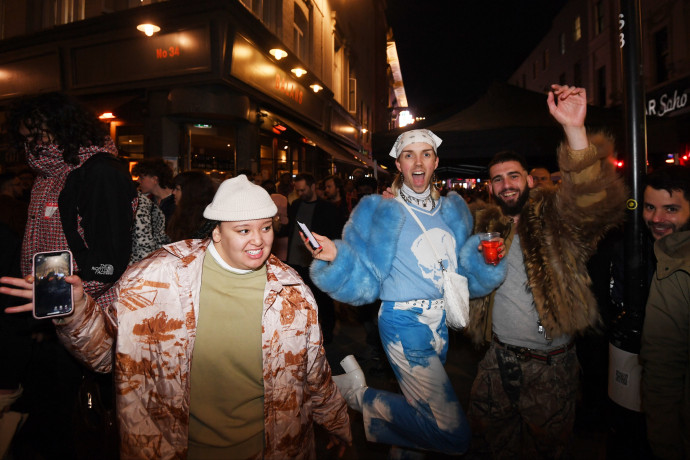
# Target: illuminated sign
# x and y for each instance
(671, 100)
(163, 55)
(171, 52)
(255, 69)
(289, 88)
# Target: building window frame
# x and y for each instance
(662, 54)
(577, 28)
(599, 17)
(300, 34)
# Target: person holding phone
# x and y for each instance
(385, 254)
(82, 200)
(217, 347)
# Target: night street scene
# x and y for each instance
(365, 229)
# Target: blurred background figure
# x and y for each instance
(321, 190)
(334, 192)
(148, 232)
(285, 186)
(155, 181)
(193, 191)
(217, 178)
(320, 217)
(541, 177)
(280, 221)
(366, 186)
(82, 199)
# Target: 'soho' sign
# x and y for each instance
(666, 103)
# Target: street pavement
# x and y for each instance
(461, 366)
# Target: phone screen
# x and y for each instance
(312, 241)
(52, 294)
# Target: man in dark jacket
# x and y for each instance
(665, 351)
(320, 217)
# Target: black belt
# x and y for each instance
(525, 354)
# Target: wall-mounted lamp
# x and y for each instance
(106, 116)
(365, 130)
(278, 53)
(148, 29)
(316, 87)
(298, 71)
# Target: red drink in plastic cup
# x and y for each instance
(490, 242)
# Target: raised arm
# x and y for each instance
(568, 106)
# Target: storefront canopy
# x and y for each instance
(512, 118)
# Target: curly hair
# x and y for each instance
(57, 117)
(188, 219)
(155, 167)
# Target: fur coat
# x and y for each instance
(370, 239)
(559, 231)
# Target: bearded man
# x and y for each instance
(522, 402)
(664, 354)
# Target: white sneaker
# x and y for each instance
(352, 384)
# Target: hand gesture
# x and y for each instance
(568, 105)
(23, 287)
(328, 249)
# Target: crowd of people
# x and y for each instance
(174, 269)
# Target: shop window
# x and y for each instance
(577, 29)
(131, 145)
(211, 147)
(661, 55)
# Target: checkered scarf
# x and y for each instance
(44, 228)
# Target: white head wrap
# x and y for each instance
(412, 136)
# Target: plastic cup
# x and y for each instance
(490, 242)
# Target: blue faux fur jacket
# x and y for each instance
(369, 244)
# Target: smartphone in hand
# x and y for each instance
(312, 241)
(52, 294)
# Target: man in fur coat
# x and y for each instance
(522, 402)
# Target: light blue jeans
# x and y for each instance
(428, 414)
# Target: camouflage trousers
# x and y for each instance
(523, 408)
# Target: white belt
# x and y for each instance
(423, 304)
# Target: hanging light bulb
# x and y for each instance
(148, 29)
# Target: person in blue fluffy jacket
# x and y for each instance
(384, 254)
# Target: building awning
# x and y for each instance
(339, 153)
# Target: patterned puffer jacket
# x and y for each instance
(152, 326)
